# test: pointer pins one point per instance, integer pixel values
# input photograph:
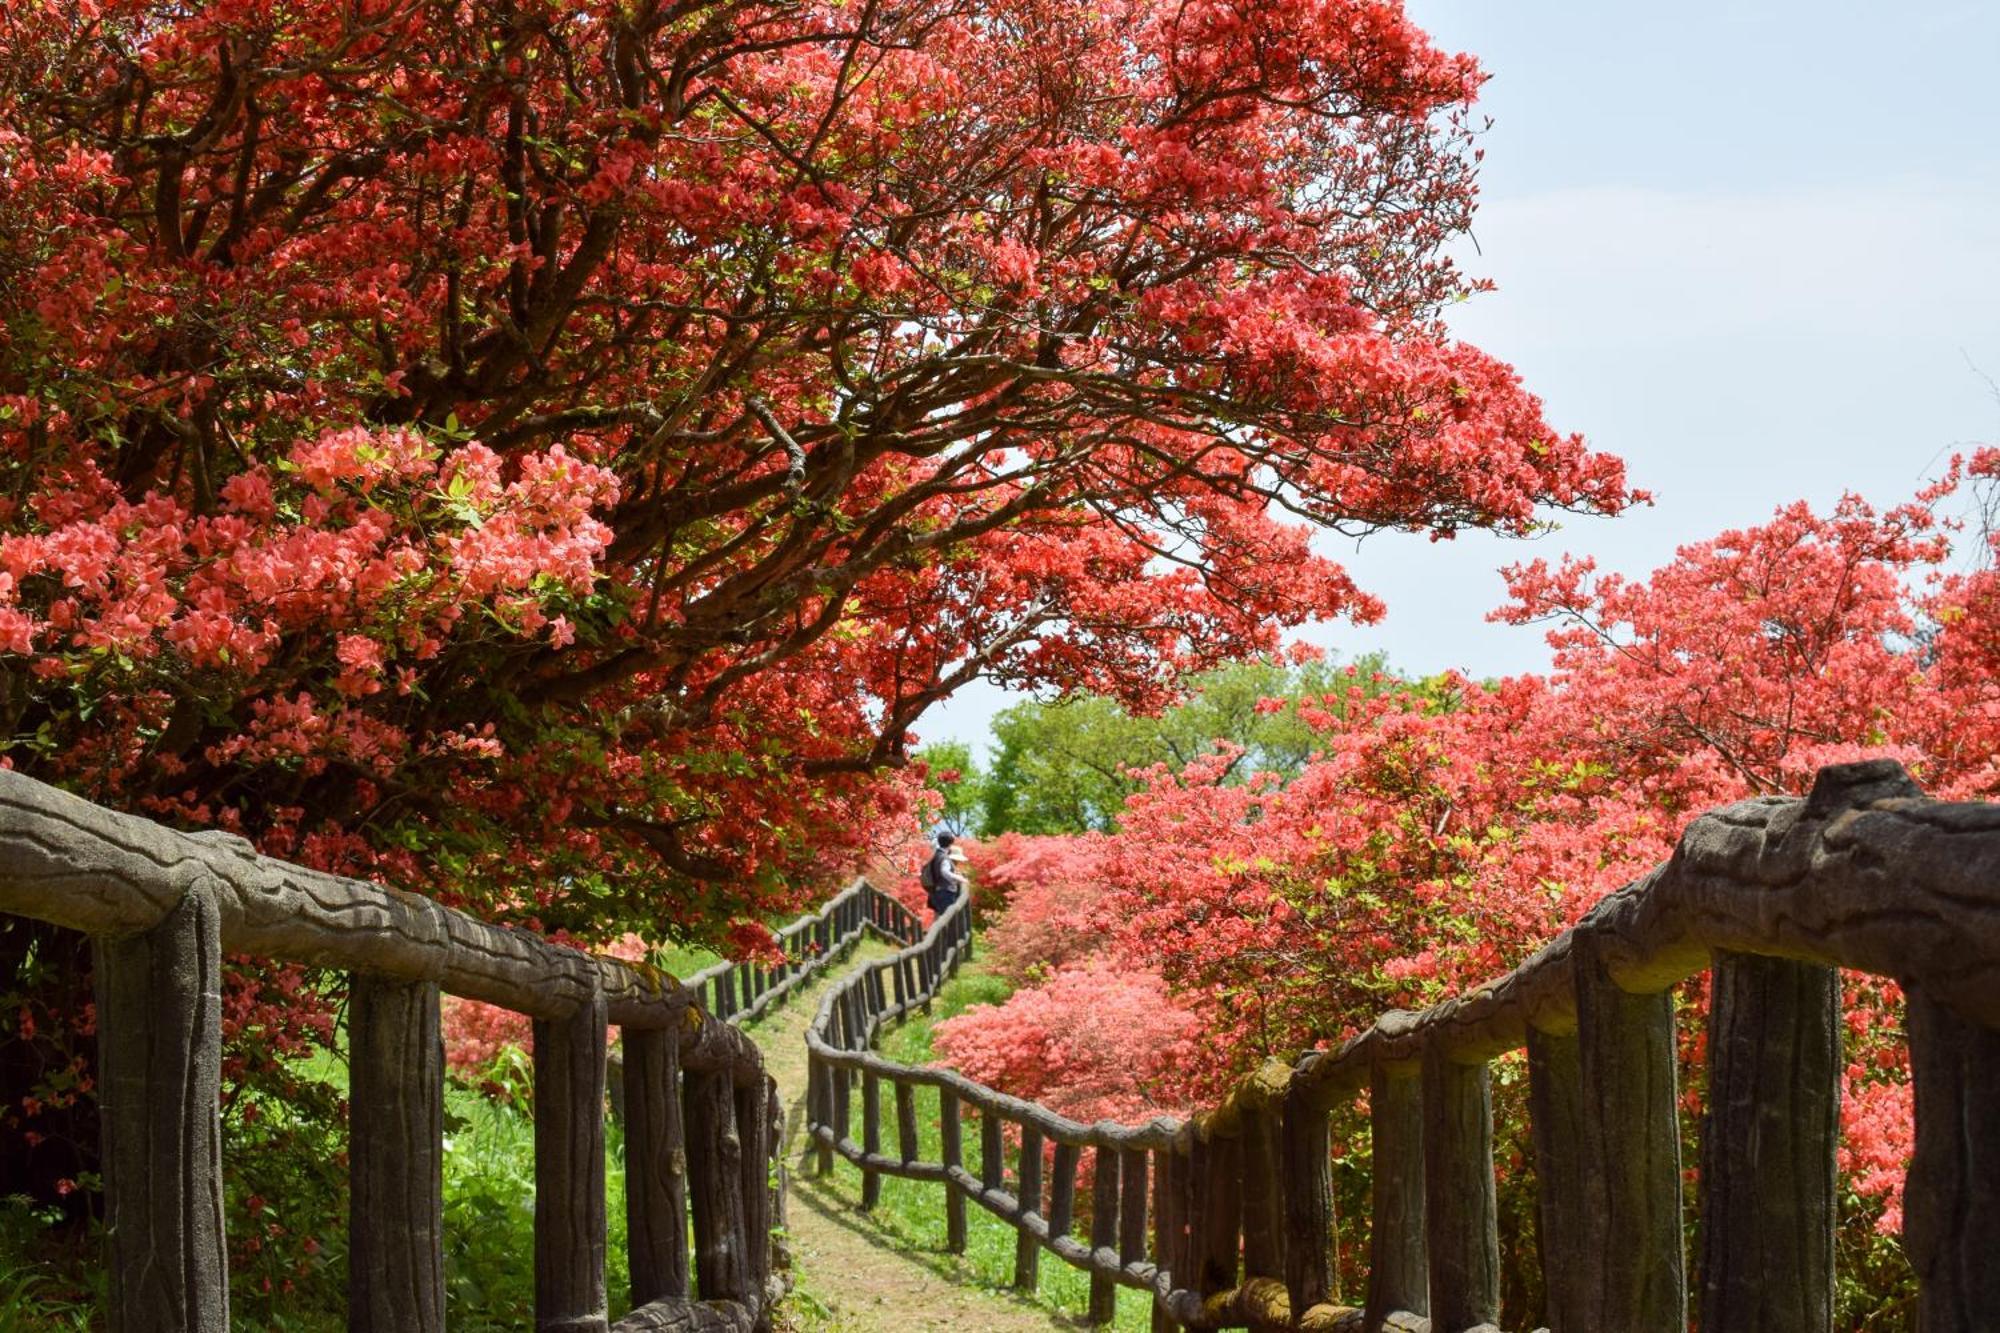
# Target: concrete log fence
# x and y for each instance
(163, 907)
(1771, 897)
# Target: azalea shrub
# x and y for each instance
(1447, 828)
(1076, 1043)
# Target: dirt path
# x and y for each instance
(842, 1261)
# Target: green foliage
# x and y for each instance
(46, 1283)
(954, 775)
(284, 1159)
(1067, 766)
(283, 1156)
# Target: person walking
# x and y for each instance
(941, 878)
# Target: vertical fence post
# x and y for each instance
(1164, 1240)
(843, 1112)
(159, 1043)
(871, 1137)
(992, 1154)
(1222, 1216)
(1951, 1201)
(1028, 1250)
(1555, 1112)
(395, 1269)
(1264, 1223)
(1770, 1145)
(1306, 1153)
(1062, 1190)
(1132, 1206)
(906, 1121)
(1103, 1233)
(715, 1186)
(1632, 1151)
(819, 1112)
(951, 1129)
(1399, 1258)
(753, 1130)
(1460, 1214)
(1187, 1214)
(569, 1063)
(655, 1163)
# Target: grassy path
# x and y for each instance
(857, 1272)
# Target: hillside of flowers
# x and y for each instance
(1442, 829)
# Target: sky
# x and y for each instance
(1752, 249)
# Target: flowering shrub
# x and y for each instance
(1448, 828)
(1092, 1042)
(1049, 893)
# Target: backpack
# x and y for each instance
(928, 876)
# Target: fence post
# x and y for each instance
(992, 1152)
(1461, 1221)
(715, 1187)
(159, 1043)
(1222, 1216)
(1165, 1242)
(819, 1112)
(1769, 1148)
(1103, 1232)
(1187, 1219)
(1951, 1201)
(569, 1062)
(1305, 1150)
(906, 1121)
(753, 1130)
(843, 1113)
(950, 1148)
(1632, 1152)
(1132, 1206)
(1555, 1111)
(1263, 1193)
(1027, 1249)
(395, 1268)
(1062, 1190)
(1399, 1257)
(655, 1165)
(871, 1137)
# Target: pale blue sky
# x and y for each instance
(1752, 249)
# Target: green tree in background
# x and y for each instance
(1067, 766)
(954, 775)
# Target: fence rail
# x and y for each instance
(702, 1118)
(1227, 1218)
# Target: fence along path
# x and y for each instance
(1227, 1219)
(702, 1118)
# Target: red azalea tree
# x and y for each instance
(548, 455)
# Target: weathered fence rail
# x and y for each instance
(702, 1117)
(1227, 1219)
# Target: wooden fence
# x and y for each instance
(1227, 1219)
(702, 1118)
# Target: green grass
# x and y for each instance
(911, 1212)
(48, 1283)
(489, 1206)
(51, 1282)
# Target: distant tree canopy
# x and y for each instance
(1067, 766)
(952, 772)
